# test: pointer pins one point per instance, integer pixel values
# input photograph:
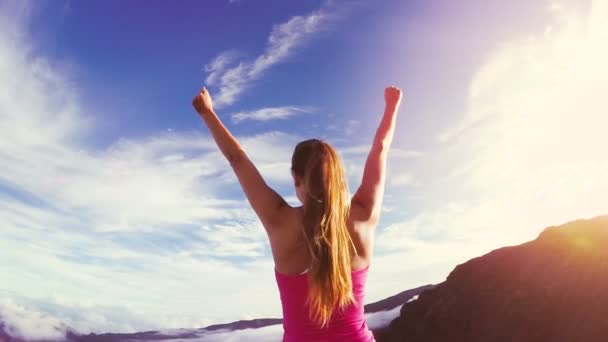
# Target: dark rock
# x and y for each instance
(550, 289)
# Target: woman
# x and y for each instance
(322, 250)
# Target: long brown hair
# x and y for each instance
(326, 209)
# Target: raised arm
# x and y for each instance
(371, 191)
(267, 204)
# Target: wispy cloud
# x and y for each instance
(351, 127)
(400, 179)
(271, 113)
(283, 40)
(394, 152)
(218, 66)
(348, 128)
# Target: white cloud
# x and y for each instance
(401, 179)
(403, 153)
(536, 121)
(270, 113)
(382, 319)
(234, 239)
(139, 184)
(450, 224)
(287, 36)
(161, 289)
(30, 324)
(282, 41)
(269, 333)
(218, 65)
(271, 152)
(351, 127)
(394, 152)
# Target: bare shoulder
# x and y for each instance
(286, 227)
(287, 243)
(283, 214)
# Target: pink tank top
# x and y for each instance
(348, 325)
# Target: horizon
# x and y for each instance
(120, 214)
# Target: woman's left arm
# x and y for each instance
(269, 206)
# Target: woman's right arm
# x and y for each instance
(371, 191)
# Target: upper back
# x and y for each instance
(289, 249)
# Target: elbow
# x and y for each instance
(373, 216)
(236, 158)
(381, 146)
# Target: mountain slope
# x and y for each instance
(549, 289)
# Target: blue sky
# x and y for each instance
(119, 214)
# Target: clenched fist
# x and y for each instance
(202, 102)
(392, 96)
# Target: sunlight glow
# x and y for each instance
(583, 242)
(536, 127)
